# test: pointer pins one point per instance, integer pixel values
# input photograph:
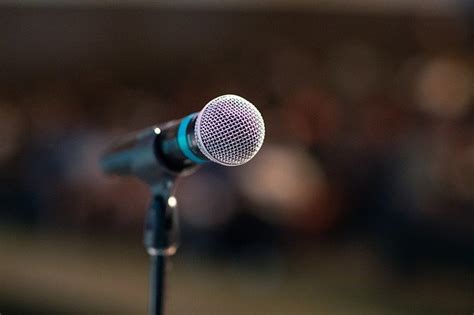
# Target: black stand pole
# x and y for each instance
(160, 241)
(157, 275)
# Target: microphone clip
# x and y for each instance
(161, 231)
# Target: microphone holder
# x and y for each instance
(160, 238)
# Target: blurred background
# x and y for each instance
(361, 200)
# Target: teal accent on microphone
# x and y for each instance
(183, 141)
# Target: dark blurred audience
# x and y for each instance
(359, 145)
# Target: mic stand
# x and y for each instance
(160, 239)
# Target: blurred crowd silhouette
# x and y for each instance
(370, 124)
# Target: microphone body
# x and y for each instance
(170, 145)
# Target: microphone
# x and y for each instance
(229, 131)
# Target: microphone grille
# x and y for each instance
(229, 130)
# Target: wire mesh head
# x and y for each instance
(229, 130)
